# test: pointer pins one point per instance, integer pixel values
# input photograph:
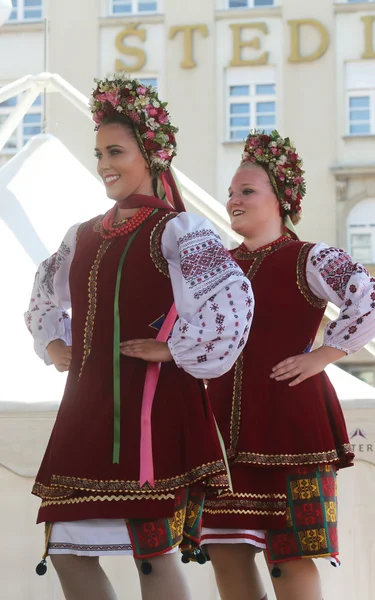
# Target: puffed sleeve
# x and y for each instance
(333, 276)
(214, 299)
(47, 318)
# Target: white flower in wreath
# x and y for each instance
(287, 206)
(152, 124)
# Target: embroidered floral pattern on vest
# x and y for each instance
(155, 244)
(90, 318)
(302, 281)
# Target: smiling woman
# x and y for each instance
(105, 488)
(121, 165)
(280, 417)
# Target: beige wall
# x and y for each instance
(73, 54)
(310, 95)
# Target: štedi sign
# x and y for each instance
(244, 36)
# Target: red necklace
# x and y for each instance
(109, 230)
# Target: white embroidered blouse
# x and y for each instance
(333, 277)
(214, 300)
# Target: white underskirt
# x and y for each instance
(234, 536)
(92, 537)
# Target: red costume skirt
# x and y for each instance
(310, 528)
(143, 538)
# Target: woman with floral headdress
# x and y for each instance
(277, 410)
(111, 483)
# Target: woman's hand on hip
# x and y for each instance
(60, 354)
(305, 365)
(148, 350)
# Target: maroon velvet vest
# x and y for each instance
(78, 461)
(265, 422)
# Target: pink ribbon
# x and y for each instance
(151, 381)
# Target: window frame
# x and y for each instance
(143, 76)
(357, 1)
(359, 93)
(252, 99)
(20, 10)
(361, 229)
(19, 134)
(135, 9)
(250, 4)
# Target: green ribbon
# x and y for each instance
(116, 349)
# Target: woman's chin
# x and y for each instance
(116, 196)
(237, 228)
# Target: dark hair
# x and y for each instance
(128, 125)
(124, 120)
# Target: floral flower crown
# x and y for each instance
(284, 168)
(155, 133)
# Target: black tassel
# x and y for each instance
(185, 558)
(41, 568)
(276, 572)
(200, 557)
(146, 567)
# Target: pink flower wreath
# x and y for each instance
(124, 96)
(284, 168)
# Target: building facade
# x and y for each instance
(225, 66)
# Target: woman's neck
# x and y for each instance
(126, 213)
(258, 240)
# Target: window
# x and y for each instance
(31, 124)
(250, 3)
(149, 81)
(251, 106)
(354, 1)
(360, 85)
(361, 232)
(27, 10)
(130, 7)
(361, 113)
(361, 247)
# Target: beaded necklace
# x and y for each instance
(110, 230)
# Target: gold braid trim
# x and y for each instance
(246, 504)
(258, 256)
(278, 513)
(79, 230)
(302, 281)
(249, 495)
(105, 498)
(235, 420)
(46, 491)
(155, 244)
(269, 503)
(205, 472)
(311, 458)
(98, 224)
(90, 318)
